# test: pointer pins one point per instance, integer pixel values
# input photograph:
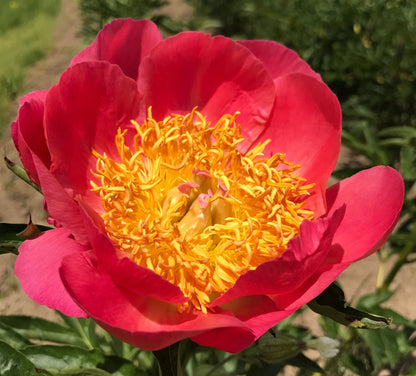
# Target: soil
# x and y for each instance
(17, 199)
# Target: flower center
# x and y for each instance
(185, 203)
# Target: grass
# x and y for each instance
(25, 37)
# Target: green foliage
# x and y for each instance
(96, 13)
(25, 37)
(363, 49)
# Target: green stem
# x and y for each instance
(169, 360)
(398, 264)
(20, 173)
(217, 366)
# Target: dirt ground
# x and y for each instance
(17, 199)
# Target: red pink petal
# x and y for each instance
(28, 133)
(84, 111)
(305, 253)
(373, 200)
(124, 42)
(37, 269)
(306, 125)
(278, 59)
(141, 321)
(215, 74)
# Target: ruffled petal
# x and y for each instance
(278, 59)
(82, 112)
(215, 74)
(141, 321)
(373, 199)
(28, 132)
(306, 125)
(124, 42)
(305, 254)
(37, 268)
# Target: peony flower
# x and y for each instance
(187, 182)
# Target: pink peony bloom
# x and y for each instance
(187, 180)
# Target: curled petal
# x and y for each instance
(373, 199)
(37, 268)
(141, 321)
(124, 42)
(28, 132)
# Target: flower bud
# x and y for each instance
(327, 347)
(277, 348)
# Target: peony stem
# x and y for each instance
(169, 360)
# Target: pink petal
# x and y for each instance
(84, 111)
(141, 321)
(259, 312)
(128, 275)
(37, 269)
(216, 74)
(311, 288)
(278, 59)
(60, 205)
(373, 199)
(124, 42)
(28, 132)
(306, 125)
(305, 253)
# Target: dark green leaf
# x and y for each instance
(119, 366)
(209, 369)
(11, 235)
(20, 173)
(265, 369)
(383, 346)
(81, 372)
(372, 300)
(331, 303)
(63, 357)
(304, 362)
(14, 363)
(14, 339)
(40, 329)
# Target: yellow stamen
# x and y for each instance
(185, 203)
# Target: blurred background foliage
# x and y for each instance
(25, 37)
(365, 50)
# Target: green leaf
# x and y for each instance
(209, 370)
(20, 173)
(14, 363)
(40, 329)
(11, 235)
(383, 346)
(331, 303)
(13, 338)
(80, 372)
(305, 363)
(120, 367)
(369, 301)
(63, 357)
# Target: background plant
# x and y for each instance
(365, 51)
(25, 37)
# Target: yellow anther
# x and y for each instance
(186, 204)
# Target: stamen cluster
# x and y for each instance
(185, 203)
